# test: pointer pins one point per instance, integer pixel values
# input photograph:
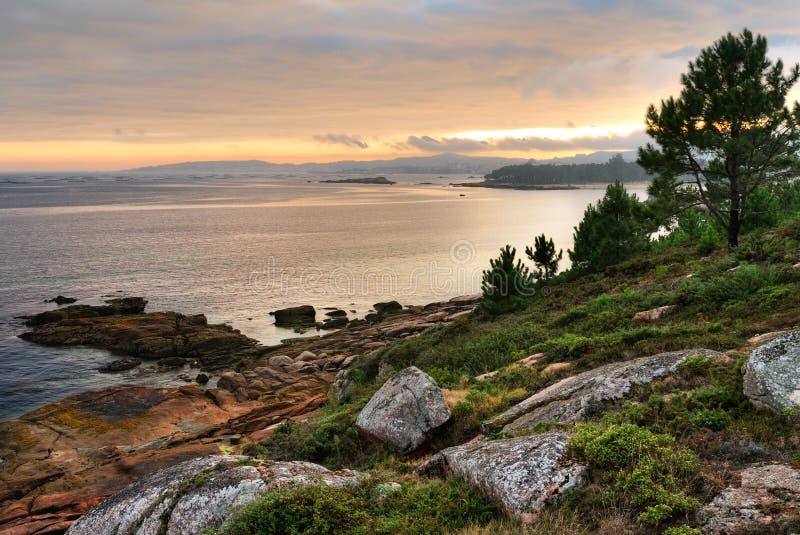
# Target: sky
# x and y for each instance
(105, 85)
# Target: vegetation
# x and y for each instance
(506, 283)
(729, 137)
(543, 174)
(544, 257)
(614, 229)
(653, 459)
(428, 507)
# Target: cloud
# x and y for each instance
(531, 143)
(281, 72)
(342, 139)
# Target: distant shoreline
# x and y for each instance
(382, 180)
(544, 187)
(534, 187)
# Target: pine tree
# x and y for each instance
(618, 226)
(728, 133)
(544, 257)
(505, 282)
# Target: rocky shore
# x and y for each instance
(61, 459)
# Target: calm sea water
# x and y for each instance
(237, 248)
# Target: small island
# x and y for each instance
(369, 180)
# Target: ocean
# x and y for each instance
(236, 248)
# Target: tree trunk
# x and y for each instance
(734, 223)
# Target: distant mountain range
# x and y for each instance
(437, 164)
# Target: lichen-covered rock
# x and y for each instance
(521, 475)
(772, 374)
(583, 396)
(405, 410)
(198, 494)
(765, 502)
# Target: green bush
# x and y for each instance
(649, 469)
(709, 240)
(417, 508)
(682, 530)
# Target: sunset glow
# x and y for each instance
(93, 86)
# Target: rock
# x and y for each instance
(406, 409)
(458, 315)
(279, 361)
(202, 378)
(556, 367)
(471, 299)
(156, 335)
(120, 365)
(113, 307)
(172, 362)
(654, 314)
(372, 317)
(342, 385)
(235, 383)
(302, 315)
(768, 498)
(388, 307)
(200, 494)
(772, 374)
(520, 475)
(336, 313)
(305, 356)
(384, 369)
(436, 316)
(585, 395)
(334, 323)
(61, 300)
(383, 490)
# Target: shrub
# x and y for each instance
(417, 508)
(709, 240)
(682, 530)
(648, 469)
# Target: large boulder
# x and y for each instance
(767, 501)
(405, 410)
(304, 315)
(199, 494)
(521, 475)
(388, 307)
(772, 374)
(583, 396)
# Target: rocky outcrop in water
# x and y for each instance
(772, 374)
(199, 494)
(121, 327)
(404, 412)
(521, 475)
(767, 501)
(585, 395)
(301, 316)
(61, 300)
(113, 307)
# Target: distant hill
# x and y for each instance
(437, 164)
(538, 174)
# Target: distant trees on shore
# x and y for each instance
(615, 169)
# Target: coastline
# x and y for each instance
(66, 456)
